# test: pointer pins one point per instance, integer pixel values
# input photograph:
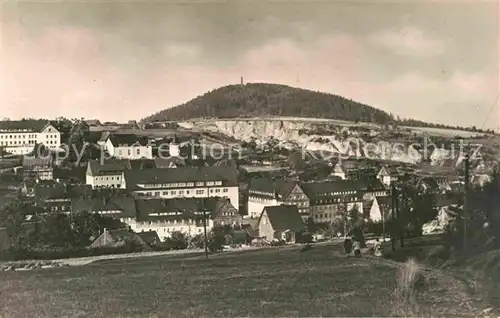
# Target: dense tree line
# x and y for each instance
(260, 99)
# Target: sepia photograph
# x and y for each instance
(249, 158)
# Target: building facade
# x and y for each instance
(166, 216)
(23, 140)
(128, 146)
(184, 182)
(109, 174)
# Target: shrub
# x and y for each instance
(408, 280)
(177, 241)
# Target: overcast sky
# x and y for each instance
(432, 60)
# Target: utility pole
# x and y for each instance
(205, 228)
(467, 163)
(400, 229)
(393, 214)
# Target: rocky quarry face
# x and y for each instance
(348, 141)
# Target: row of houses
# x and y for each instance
(140, 214)
(320, 201)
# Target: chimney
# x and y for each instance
(242, 81)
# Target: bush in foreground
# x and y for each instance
(408, 281)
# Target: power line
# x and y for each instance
(490, 111)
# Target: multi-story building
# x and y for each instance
(22, 140)
(184, 182)
(319, 200)
(128, 146)
(264, 192)
(331, 198)
(108, 174)
(166, 216)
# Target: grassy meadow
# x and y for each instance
(267, 282)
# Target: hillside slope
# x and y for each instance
(259, 99)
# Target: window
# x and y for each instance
(200, 191)
(217, 190)
(181, 192)
(138, 151)
(173, 192)
(129, 152)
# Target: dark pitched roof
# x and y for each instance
(118, 237)
(93, 122)
(108, 167)
(250, 230)
(142, 164)
(149, 237)
(35, 125)
(430, 182)
(217, 206)
(104, 136)
(331, 189)
(271, 187)
(169, 209)
(75, 173)
(126, 205)
(284, 217)
(162, 163)
(128, 140)
(172, 175)
(47, 190)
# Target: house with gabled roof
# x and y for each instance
(128, 146)
(93, 122)
(388, 175)
(282, 223)
(151, 237)
(223, 212)
(108, 173)
(119, 238)
(381, 208)
(428, 185)
(169, 162)
(338, 171)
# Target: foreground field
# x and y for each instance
(269, 282)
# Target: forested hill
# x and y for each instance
(259, 99)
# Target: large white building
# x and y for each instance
(107, 174)
(128, 146)
(21, 141)
(168, 216)
(184, 182)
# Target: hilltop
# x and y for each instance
(260, 99)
